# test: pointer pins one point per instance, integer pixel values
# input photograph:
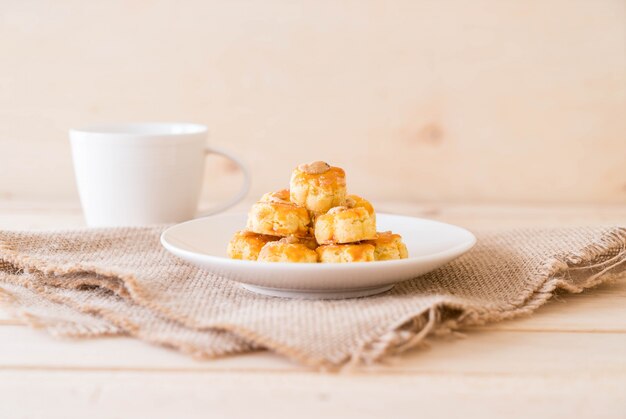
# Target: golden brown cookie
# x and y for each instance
(288, 249)
(281, 196)
(246, 245)
(389, 246)
(345, 225)
(275, 216)
(318, 187)
(343, 253)
(355, 201)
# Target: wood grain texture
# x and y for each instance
(603, 309)
(482, 353)
(38, 215)
(37, 394)
(482, 101)
(566, 360)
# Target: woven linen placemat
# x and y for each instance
(98, 282)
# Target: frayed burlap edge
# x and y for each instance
(119, 325)
(408, 333)
(55, 327)
(553, 276)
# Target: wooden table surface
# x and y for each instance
(566, 360)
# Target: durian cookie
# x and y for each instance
(343, 253)
(246, 245)
(275, 216)
(281, 196)
(355, 201)
(345, 225)
(288, 249)
(318, 186)
(389, 246)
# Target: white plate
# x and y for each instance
(431, 244)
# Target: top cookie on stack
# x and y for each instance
(314, 221)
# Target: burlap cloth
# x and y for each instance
(122, 282)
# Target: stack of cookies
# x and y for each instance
(314, 221)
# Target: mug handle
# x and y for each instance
(244, 187)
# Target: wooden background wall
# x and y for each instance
(457, 101)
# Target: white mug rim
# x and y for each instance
(142, 129)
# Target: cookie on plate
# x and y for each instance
(355, 201)
(276, 216)
(288, 249)
(246, 245)
(343, 253)
(280, 196)
(318, 186)
(389, 246)
(345, 225)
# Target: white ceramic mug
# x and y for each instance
(140, 174)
